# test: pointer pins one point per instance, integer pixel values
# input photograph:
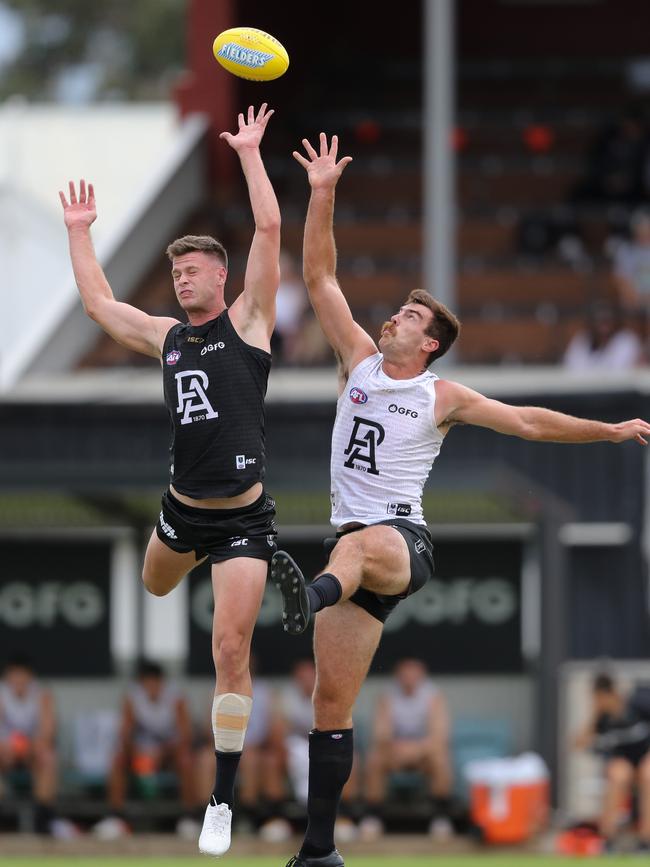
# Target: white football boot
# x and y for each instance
(215, 834)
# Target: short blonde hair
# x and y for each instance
(197, 244)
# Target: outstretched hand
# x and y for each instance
(251, 130)
(322, 169)
(81, 212)
(636, 429)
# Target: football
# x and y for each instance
(250, 53)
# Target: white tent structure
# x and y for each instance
(149, 174)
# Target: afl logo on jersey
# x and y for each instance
(357, 395)
(172, 357)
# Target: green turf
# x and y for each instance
(351, 861)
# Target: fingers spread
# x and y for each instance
(73, 192)
(323, 144)
(64, 201)
(312, 153)
(303, 162)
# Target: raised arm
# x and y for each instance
(348, 340)
(254, 310)
(456, 403)
(126, 324)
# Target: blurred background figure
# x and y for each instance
(261, 782)
(155, 735)
(410, 733)
(604, 343)
(617, 162)
(619, 730)
(631, 266)
(298, 339)
(298, 721)
(27, 742)
(291, 304)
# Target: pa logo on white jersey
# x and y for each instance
(193, 400)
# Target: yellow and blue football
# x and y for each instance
(251, 53)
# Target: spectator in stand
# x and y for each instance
(618, 163)
(27, 741)
(619, 730)
(261, 782)
(155, 735)
(604, 343)
(290, 305)
(631, 266)
(411, 733)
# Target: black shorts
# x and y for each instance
(632, 753)
(420, 545)
(221, 534)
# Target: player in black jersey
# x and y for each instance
(619, 730)
(215, 370)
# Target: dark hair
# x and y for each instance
(444, 326)
(603, 682)
(148, 668)
(197, 244)
(19, 660)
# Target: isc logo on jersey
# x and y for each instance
(357, 395)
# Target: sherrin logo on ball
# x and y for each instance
(251, 53)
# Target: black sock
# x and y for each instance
(224, 788)
(324, 591)
(441, 805)
(43, 815)
(330, 765)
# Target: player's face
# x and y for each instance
(18, 679)
(153, 686)
(198, 279)
(410, 674)
(404, 333)
(305, 677)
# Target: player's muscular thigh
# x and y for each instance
(382, 556)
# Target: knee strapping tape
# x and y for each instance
(230, 713)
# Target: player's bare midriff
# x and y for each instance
(238, 502)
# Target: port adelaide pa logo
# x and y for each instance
(357, 395)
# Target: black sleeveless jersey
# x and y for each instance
(214, 386)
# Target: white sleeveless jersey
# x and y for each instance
(384, 443)
(410, 713)
(155, 721)
(19, 713)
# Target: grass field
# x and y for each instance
(352, 861)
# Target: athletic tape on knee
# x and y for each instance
(230, 713)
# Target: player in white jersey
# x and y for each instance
(410, 732)
(155, 733)
(392, 416)
(27, 736)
